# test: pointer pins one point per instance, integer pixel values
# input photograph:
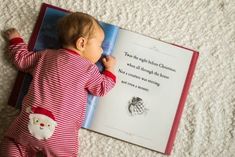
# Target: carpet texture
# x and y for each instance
(207, 128)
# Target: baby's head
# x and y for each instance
(81, 32)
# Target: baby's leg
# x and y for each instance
(9, 148)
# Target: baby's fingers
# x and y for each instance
(10, 31)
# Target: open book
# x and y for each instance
(153, 78)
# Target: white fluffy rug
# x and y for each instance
(207, 128)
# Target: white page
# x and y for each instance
(160, 99)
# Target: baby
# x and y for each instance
(54, 108)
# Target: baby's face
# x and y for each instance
(93, 49)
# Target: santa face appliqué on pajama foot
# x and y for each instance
(41, 123)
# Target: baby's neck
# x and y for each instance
(72, 48)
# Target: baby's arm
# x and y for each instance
(18, 51)
(99, 84)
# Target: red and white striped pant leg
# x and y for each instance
(9, 148)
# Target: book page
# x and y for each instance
(150, 77)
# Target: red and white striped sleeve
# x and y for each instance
(23, 59)
(99, 84)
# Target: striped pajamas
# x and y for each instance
(14, 149)
(61, 82)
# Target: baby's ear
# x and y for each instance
(81, 44)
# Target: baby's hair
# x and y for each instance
(74, 26)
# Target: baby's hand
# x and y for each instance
(109, 63)
(11, 33)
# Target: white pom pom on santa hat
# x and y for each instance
(43, 111)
